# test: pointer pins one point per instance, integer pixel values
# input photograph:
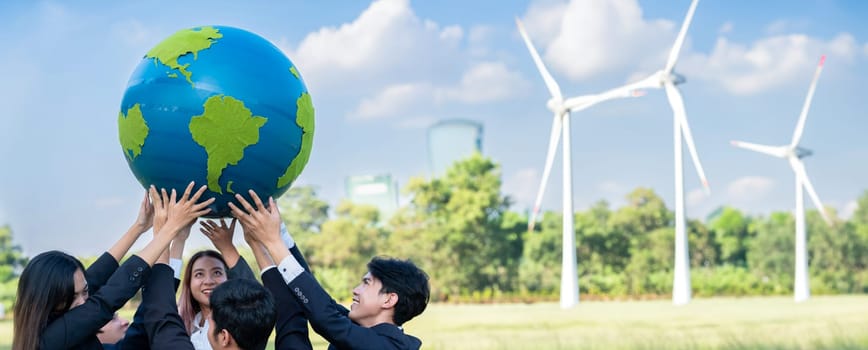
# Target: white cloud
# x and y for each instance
(696, 197)
(588, 37)
(386, 39)
(392, 101)
(778, 27)
(848, 209)
(612, 187)
(749, 188)
(450, 33)
(768, 63)
(583, 38)
(478, 39)
(726, 28)
(480, 33)
(865, 49)
(522, 186)
(485, 82)
(783, 26)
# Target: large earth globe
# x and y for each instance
(220, 106)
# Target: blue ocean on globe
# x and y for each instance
(219, 106)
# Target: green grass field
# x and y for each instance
(839, 322)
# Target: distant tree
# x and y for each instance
(651, 262)
(302, 212)
(838, 256)
(339, 253)
(540, 268)
(601, 247)
(771, 254)
(645, 212)
(12, 259)
(460, 220)
(860, 215)
(704, 249)
(731, 230)
(350, 239)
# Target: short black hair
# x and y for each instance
(245, 309)
(404, 278)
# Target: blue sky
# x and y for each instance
(380, 72)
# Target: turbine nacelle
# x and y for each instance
(557, 105)
(676, 78)
(800, 152)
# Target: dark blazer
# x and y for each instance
(137, 338)
(113, 286)
(330, 320)
(291, 331)
(159, 311)
(241, 270)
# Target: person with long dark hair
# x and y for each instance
(60, 305)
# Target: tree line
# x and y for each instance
(460, 228)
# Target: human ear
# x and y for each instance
(391, 300)
(225, 338)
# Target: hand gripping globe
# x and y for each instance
(219, 106)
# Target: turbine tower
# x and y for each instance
(794, 154)
(561, 125)
(668, 79)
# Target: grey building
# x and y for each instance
(450, 141)
(377, 190)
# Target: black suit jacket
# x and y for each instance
(77, 328)
(291, 327)
(159, 311)
(137, 338)
(329, 319)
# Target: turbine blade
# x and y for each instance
(550, 158)
(677, 104)
(800, 127)
(775, 151)
(582, 102)
(676, 49)
(799, 168)
(551, 84)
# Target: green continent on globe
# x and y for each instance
(304, 119)
(181, 43)
(133, 131)
(224, 129)
(294, 72)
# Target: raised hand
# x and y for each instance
(142, 224)
(145, 219)
(260, 223)
(261, 228)
(160, 209)
(182, 211)
(179, 213)
(220, 235)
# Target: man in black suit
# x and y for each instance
(391, 293)
(242, 314)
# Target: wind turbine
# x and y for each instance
(561, 125)
(794, 154)
(668, 79)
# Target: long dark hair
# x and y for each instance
(46, 290)
(188, 307)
